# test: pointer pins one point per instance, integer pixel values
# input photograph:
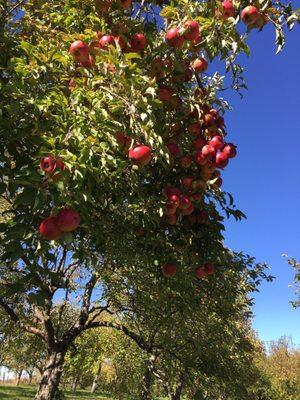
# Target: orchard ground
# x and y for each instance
(26, 392)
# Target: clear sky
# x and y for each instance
(265, 177)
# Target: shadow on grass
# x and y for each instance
(17, 393)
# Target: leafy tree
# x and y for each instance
(68, 119)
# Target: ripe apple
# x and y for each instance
(67, 220)
(140, 154)
(123, 140)
(220, 122)
(79, 50)
(172, 190)
(172, 219)
(200, 65)
(48, 164)
(209, 120)
(228, 9)
(216, 142)
(185, 202)
(174, 200)
(229, 150)
(49, 230)
(188, 211)
(169, 270)
(165, 94)
(194, 128)
(60, 164)
(200, 272)
(199, 143)
(192, 30)
(174, 38)
(209, 268)
(170, 209)
(174, 149)
(186, 162)
(201, 159)
(88, 62)
(208, 151)
(106, 40)
(250, 15)
(138, 42)
(187, 181)
(221, 160)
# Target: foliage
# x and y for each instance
(73, 112)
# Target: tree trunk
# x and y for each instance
(148, 379)
(96, 378)
(74, 384)
(19, 377)
(51, 376)
(30, 375)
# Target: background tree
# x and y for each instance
(111, 155)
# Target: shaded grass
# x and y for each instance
(26, 392)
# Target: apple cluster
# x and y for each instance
(67, 220)
(170, 269)
(83, 54)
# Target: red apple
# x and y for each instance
(229, 150)
(250, 15)
(173, 38)
(209, 268)
(140, 154)
(174, 149)
(201, 159)
(200, 65)
(48, 164)
(79, 50)
(174, 200)
(208, 151)
(209, 120)
(187, 181)
(172, 190)
(185, 202)
(192, 30)
(172, 219)
(169, 270)
(165, 94)
(170, 209)
(216, 142)
(228, 9)
(186, 162)
(188, 211)
(138, 42)
(107, 40)
(49, 230)
(200, 272)
(67, 220)
(221, 160)
(194, 128)
(199, 143)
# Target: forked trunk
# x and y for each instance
(51, 376)
(96, 378)
(19, 374)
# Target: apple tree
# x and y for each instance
(113, 141)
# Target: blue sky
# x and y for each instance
(265, 177)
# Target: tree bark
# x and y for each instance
(96, 378)
(51, 376)
(74, 384)
(148, 379)
(19, 377)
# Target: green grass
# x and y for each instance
(27, 392)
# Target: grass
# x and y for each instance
(26, 392)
